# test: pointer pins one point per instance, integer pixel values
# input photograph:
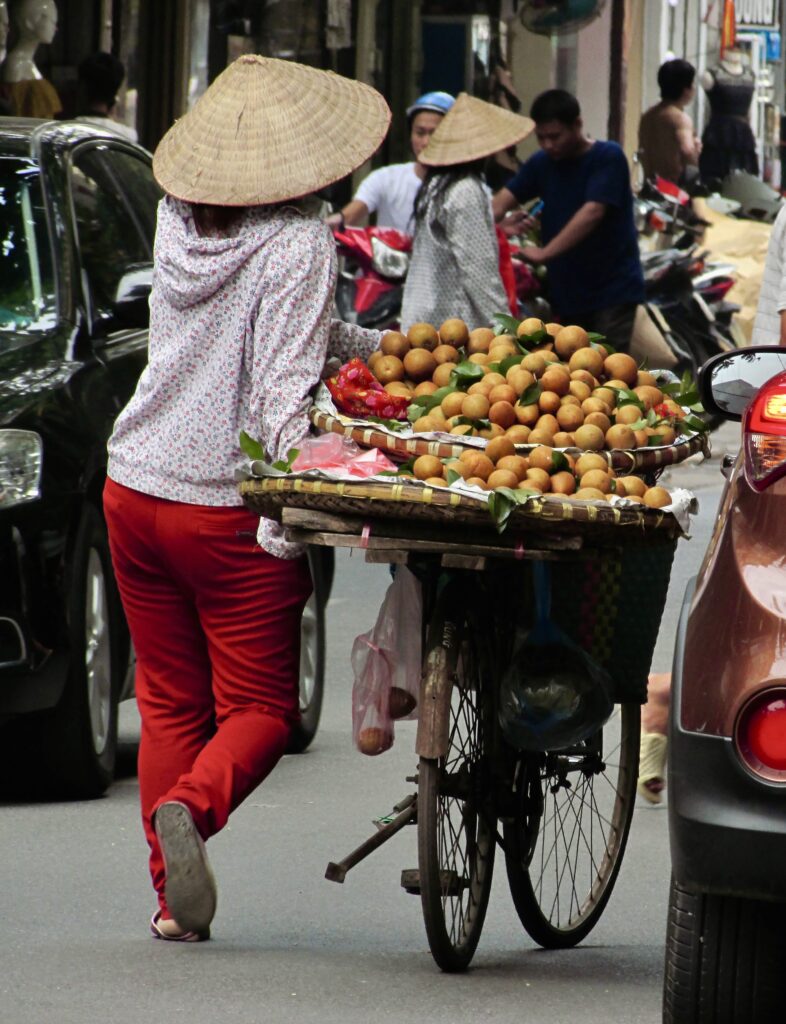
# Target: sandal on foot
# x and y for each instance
(652, 766)
(190, 888)
(170, 931)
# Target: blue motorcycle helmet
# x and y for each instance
(434, 102)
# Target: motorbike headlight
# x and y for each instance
(20, 467)
(389, 262)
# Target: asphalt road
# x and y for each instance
(288, 945)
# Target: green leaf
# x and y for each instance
(638, 425)
(559, 462)
(531, 395)
(694, 424)
(508, 362)
(654, 440)
(285, 465)
(503, 500)
(529, 341)
(394, 425)
(627, 397)
(599, 343)
(407, 467)
(504, 323)
(465, 374)
(596, 338)
(453, 476)
(467, 421)
(425, 403)
(253, 449)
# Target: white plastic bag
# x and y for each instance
(386, 664)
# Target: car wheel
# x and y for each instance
(312, 651)
(78, 739)
(724, 960)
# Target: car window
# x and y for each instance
(110, 240)
(141, 189)
(27, 285)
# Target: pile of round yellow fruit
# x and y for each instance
(565, 391)
(543, 470)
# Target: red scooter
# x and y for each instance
(373, 264)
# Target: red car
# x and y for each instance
(726, 938)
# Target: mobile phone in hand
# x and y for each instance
(534, 211)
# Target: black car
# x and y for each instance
(77, 219)
(77, 222)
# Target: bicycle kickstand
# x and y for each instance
(407, 813)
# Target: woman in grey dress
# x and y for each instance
(454, 269)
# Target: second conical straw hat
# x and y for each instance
(268, 130)
(473, 129)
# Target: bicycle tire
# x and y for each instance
(559, 912)
(456, 827)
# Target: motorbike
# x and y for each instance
(373, 264)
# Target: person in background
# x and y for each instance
(240, 329)
(668, 144)
(454, 268)
(390, 192)
(769, 327)
(590, 245)
(100, 78)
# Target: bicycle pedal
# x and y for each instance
(410, 881)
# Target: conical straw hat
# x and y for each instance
(267, 130)
(471, 130)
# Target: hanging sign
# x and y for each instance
(758, 14)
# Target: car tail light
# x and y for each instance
(760, 734)
(764, 435)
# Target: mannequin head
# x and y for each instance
(3, 29)
(35, 20)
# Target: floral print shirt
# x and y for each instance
(240, 330)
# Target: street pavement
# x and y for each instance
(288, 945)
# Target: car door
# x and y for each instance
(114, 199)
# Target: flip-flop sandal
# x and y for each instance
(180, 936)
(190, 888)
(652, 766)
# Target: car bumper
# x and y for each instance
(727, 829)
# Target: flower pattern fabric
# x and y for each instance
(240, 330)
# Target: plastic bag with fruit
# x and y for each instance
(372, 727)
(357, 392)
(386, 666)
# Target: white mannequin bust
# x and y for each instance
(35, 22)
(3, 30)
(731, 62)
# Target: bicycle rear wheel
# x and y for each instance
(456, 824)
(564, 849)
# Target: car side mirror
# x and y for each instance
(131, 307)
(729, 381)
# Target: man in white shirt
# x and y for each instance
(390, 191)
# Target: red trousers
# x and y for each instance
(215, 622)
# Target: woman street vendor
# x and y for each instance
(240, 329)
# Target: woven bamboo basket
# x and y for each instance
(400, 500)
(641, 460)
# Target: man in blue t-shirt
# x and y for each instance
(590, 245)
